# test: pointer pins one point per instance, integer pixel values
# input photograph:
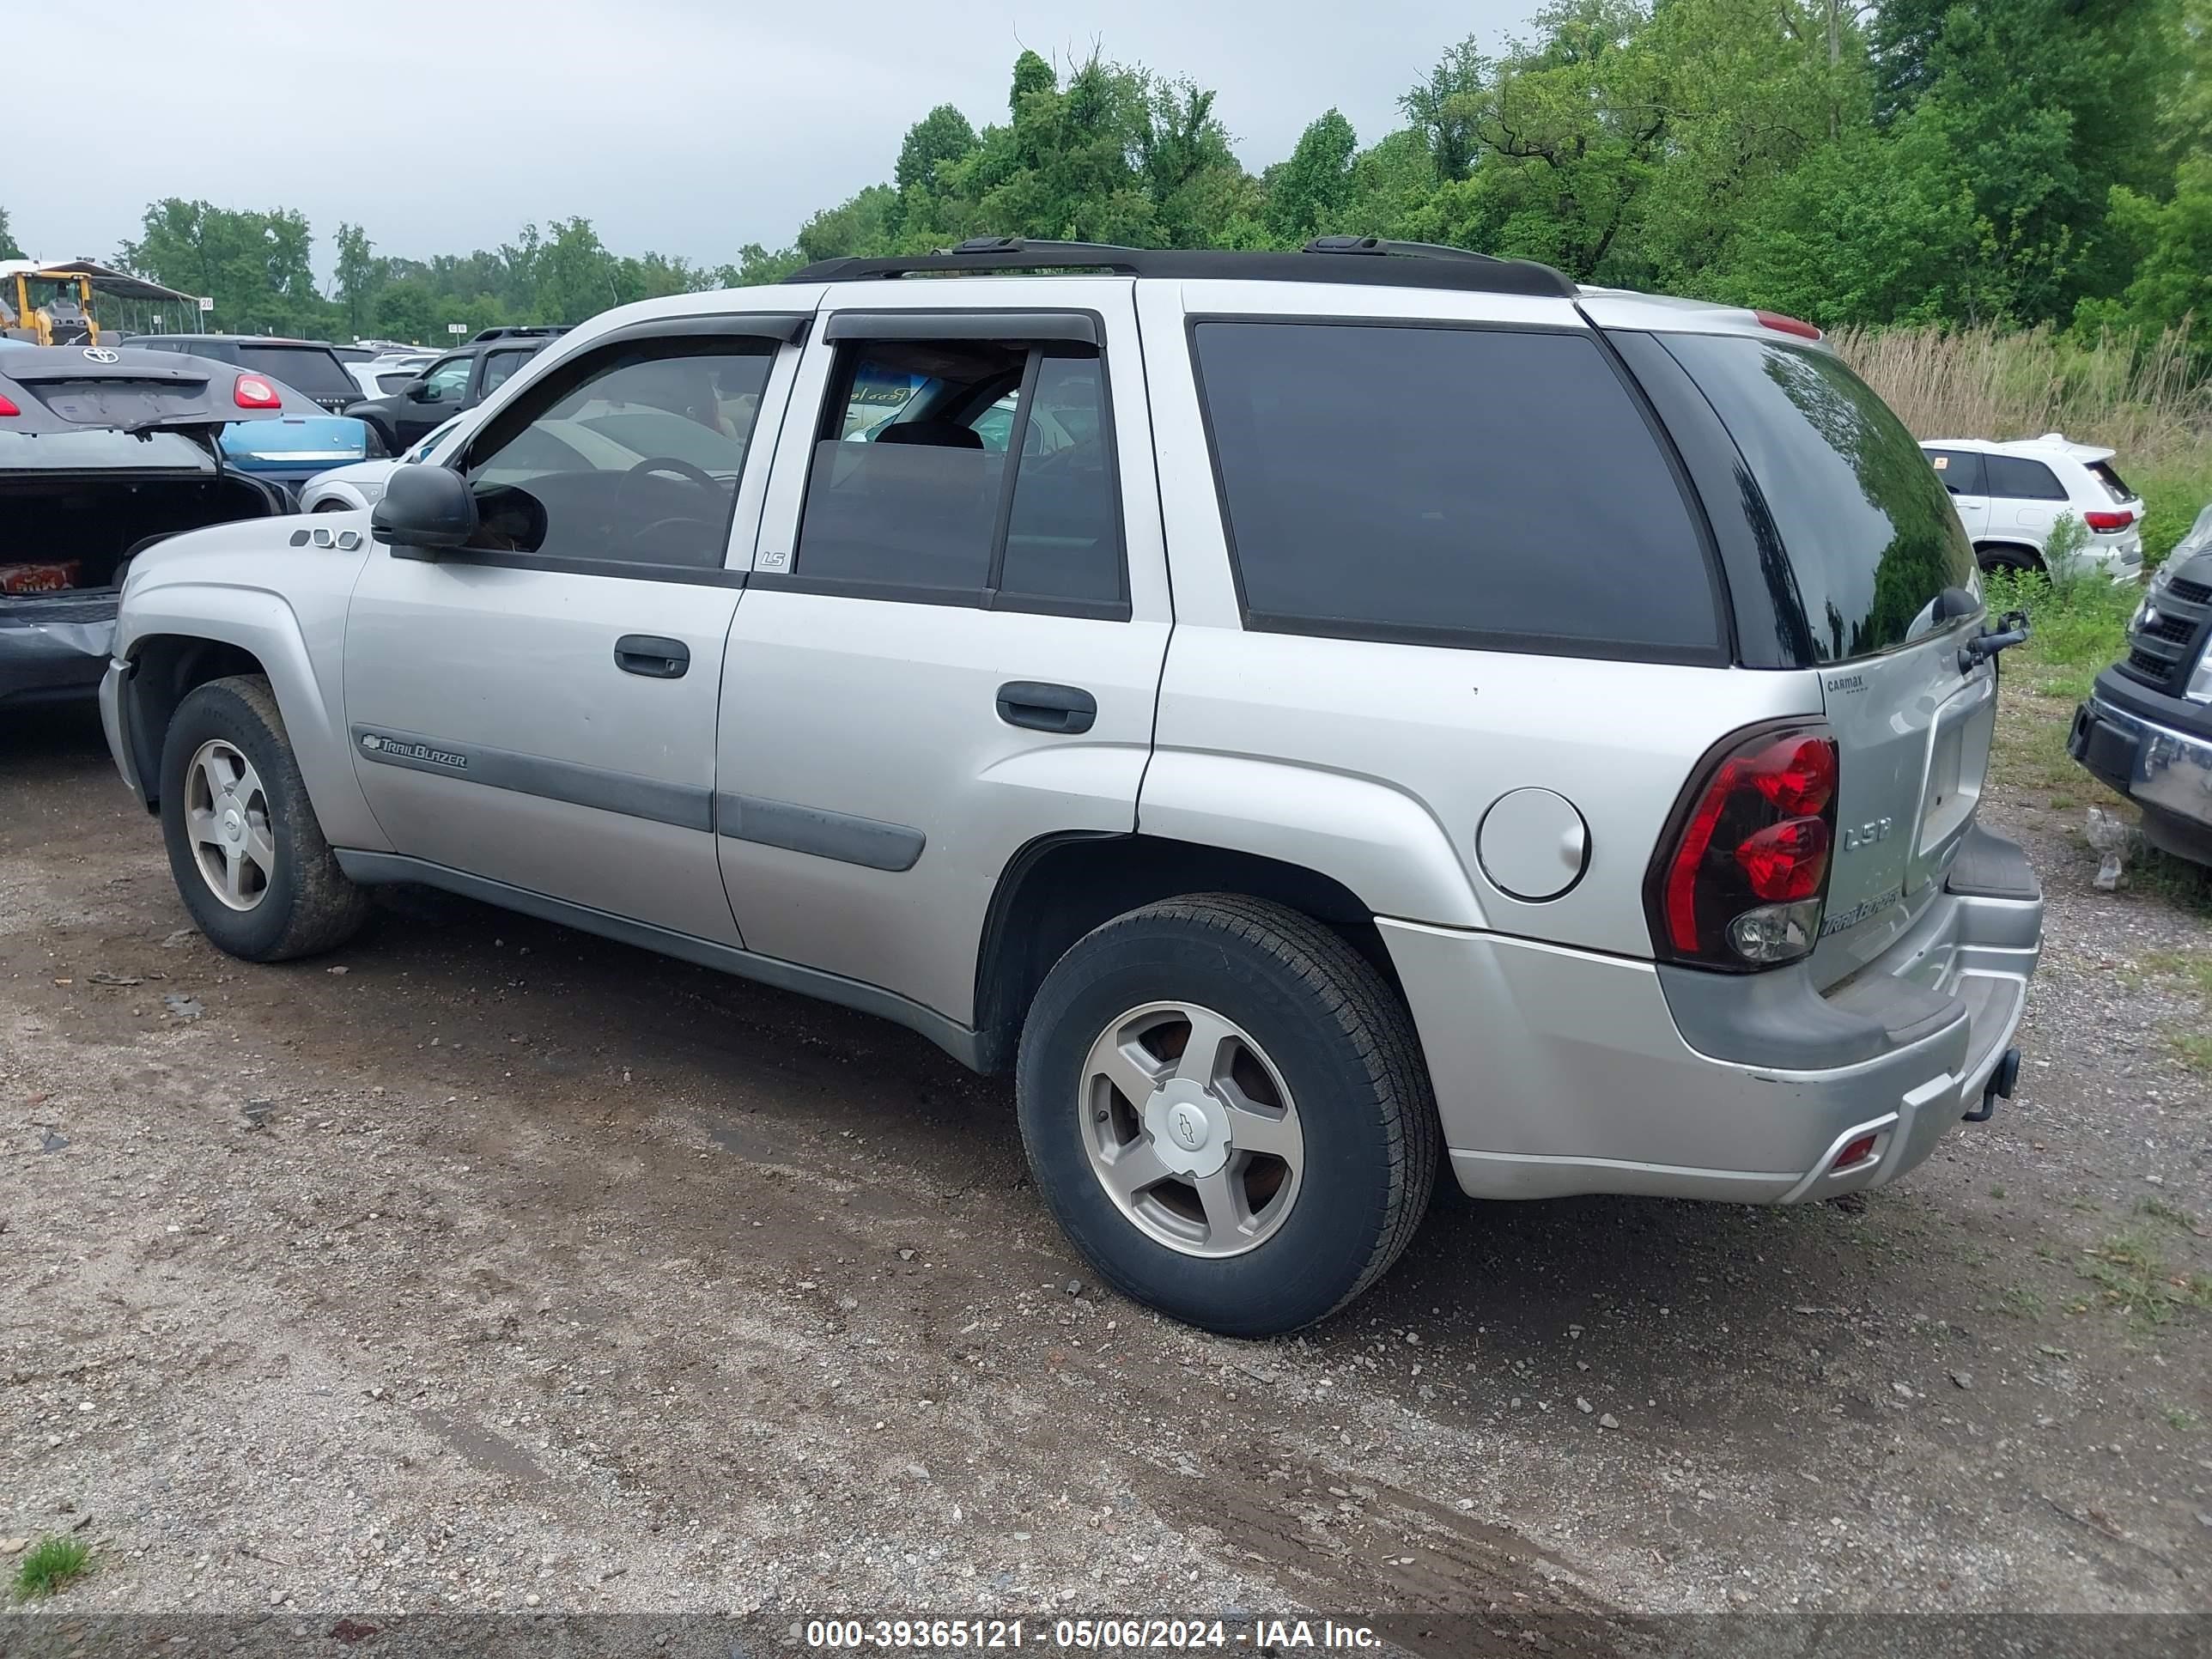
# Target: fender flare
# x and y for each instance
(264, 626)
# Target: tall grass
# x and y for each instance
(2150, 399)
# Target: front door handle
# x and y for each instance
(652, 656)
(1044, 706)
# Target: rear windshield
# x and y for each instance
(1451, 486)
(2115, 485)
(310, 370)
(1870, 534)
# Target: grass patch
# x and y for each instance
(2193, 1049)
(2181, 1417)
(50, 1565)
(2157, 1209)
(2190, 967)
(2021, 1301)
(2132, 1275)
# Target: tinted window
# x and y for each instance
(448, 380)
(1959, 469)
(908, 486)
(2021, 479)
(500, 366)
(1870, 537)
(309, 369)
(2115, 485)
(596, 474)
(1453, 485)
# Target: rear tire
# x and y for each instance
(2008, 558)
(248, 857)
(1307, 1125)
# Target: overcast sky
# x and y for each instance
(685, 125)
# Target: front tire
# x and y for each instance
(248, 857)
(1227, 1108)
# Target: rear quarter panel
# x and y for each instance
(1375, 763)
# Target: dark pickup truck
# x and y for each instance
(2147, 726)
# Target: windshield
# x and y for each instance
(1870, 535)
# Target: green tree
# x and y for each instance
(258, 267)
(1310, 193)
(10, 249)
(943, 135)
(359, 273)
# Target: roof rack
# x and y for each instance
(1368, 260)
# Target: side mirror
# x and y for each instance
(424, 508)
(421, 392)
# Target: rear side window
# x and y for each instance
(1870, 538)
(2020, 479)
(2115, 485)
(1450, 486)
(310, 370)
(1960, 469)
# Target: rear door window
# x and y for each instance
(311, 371)
(1869, 537)
(2017, 478)
(1450, 486)
(965, 472)
(1960, 469)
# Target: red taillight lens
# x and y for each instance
(2108, 520)
(1787, 861)
(1782, 324)
(252, 391)
(8, 406)
(1857, 1153)
(1739, 884)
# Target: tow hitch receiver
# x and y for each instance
(2000, 1086)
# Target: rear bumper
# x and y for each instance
(2166, 770)
(1560, 1072)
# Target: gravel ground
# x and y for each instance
(491, 1266)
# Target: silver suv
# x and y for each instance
(1305, 714)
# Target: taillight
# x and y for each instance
(1740, 882)
(1782, 324)
(2108, 520)
(252, 391)
(8, 406)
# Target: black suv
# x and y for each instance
(311, 368)
(460, 379)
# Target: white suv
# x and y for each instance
(1179, 698)
(2011, 496)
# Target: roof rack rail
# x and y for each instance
(1409, 250)
(517, 331)
(1410, 264)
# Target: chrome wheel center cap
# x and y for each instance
(234, 826)
(1189, 1128)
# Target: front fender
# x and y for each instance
(299, 647)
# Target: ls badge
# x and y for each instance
(1865, 835)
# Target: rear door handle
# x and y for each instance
(652, 656)
(1044, 706)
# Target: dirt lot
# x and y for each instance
(490, 1266)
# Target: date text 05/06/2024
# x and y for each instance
(1108, 1635)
